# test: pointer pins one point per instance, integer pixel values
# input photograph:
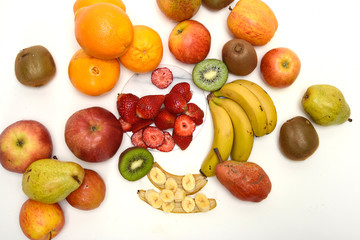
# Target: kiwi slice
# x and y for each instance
(34, 66)
(135, 163)
(210, 74)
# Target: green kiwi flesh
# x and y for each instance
(210, 74)
(34, 66)
(135, 163)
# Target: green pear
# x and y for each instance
(325, 105)
(51, 180)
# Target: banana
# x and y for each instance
(153, 198)
(179, 195)
(157, 176)
(188, 204)
(243, 132)
(223, 139)
(188, 182)
(167, 195)
(171, 184)
(168, 206)
(265, 100)
(249, 102)
(178, 205)
(202, 202)
(200, 180)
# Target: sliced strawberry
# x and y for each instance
(162, 77)
(153, 136)
(142, 123)
(165, 119)
(149, 106)
(126, 126)
(175, 103)
(183, 88)
(137, 139)
(168, 144)
(126, 106)
(184, 125)
(182, 141)
(196, 113)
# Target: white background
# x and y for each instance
(315, 199)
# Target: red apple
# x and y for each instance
(190, 41)
(22, 143)
(41, 221)
(90, 194)
(179, 10)
(280, 67)
(93, 134)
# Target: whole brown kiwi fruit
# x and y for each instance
(216, 4)
(298, 138)
(239, 56)
(34, 66)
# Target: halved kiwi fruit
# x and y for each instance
(34, 66)
(210, 74)
(135, 163)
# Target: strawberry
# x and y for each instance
(126, 106)
(184, 125)
(196, 113)
(165, 119)
(142, 123)
(153, 136)
(137, 139)
(162, 77)
(149, 106)
(168, 144)
(175, 103)
(126, 126)
(183, 88)
(182, 141)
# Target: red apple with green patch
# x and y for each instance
(280, 67)
(93, 134)
(22, 143)
(190, 41)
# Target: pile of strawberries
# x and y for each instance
(150, 117)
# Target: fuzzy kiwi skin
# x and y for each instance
(216, 4)
(34, 66)
(239, 56)
(298, 138)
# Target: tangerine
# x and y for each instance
(145, 52)
(84, 3)
(103, 30)
(93, 76)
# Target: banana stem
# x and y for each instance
(218, 155)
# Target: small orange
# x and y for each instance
(93, 76)
(103, 30)
(145, 52)
(84, 3)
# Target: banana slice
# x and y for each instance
(188, 182)
(167, 195)
(188, 204)
(200, 180)
(179, 195)
(202, 202)
(178, 208)
(171, 184)
(168, 206)
(153, 198)
(157, 176)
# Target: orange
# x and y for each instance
(103, 30)
(84, 3)
(93, 76)
(146, 51)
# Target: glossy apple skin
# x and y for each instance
(245, 180)
(179, 10)
(22, 143)
(190, 41)
(40, 221)
(280, 67)
(93, 134)
(90, 194)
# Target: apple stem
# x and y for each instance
(218, 155)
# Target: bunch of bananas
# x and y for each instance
(240, 110)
